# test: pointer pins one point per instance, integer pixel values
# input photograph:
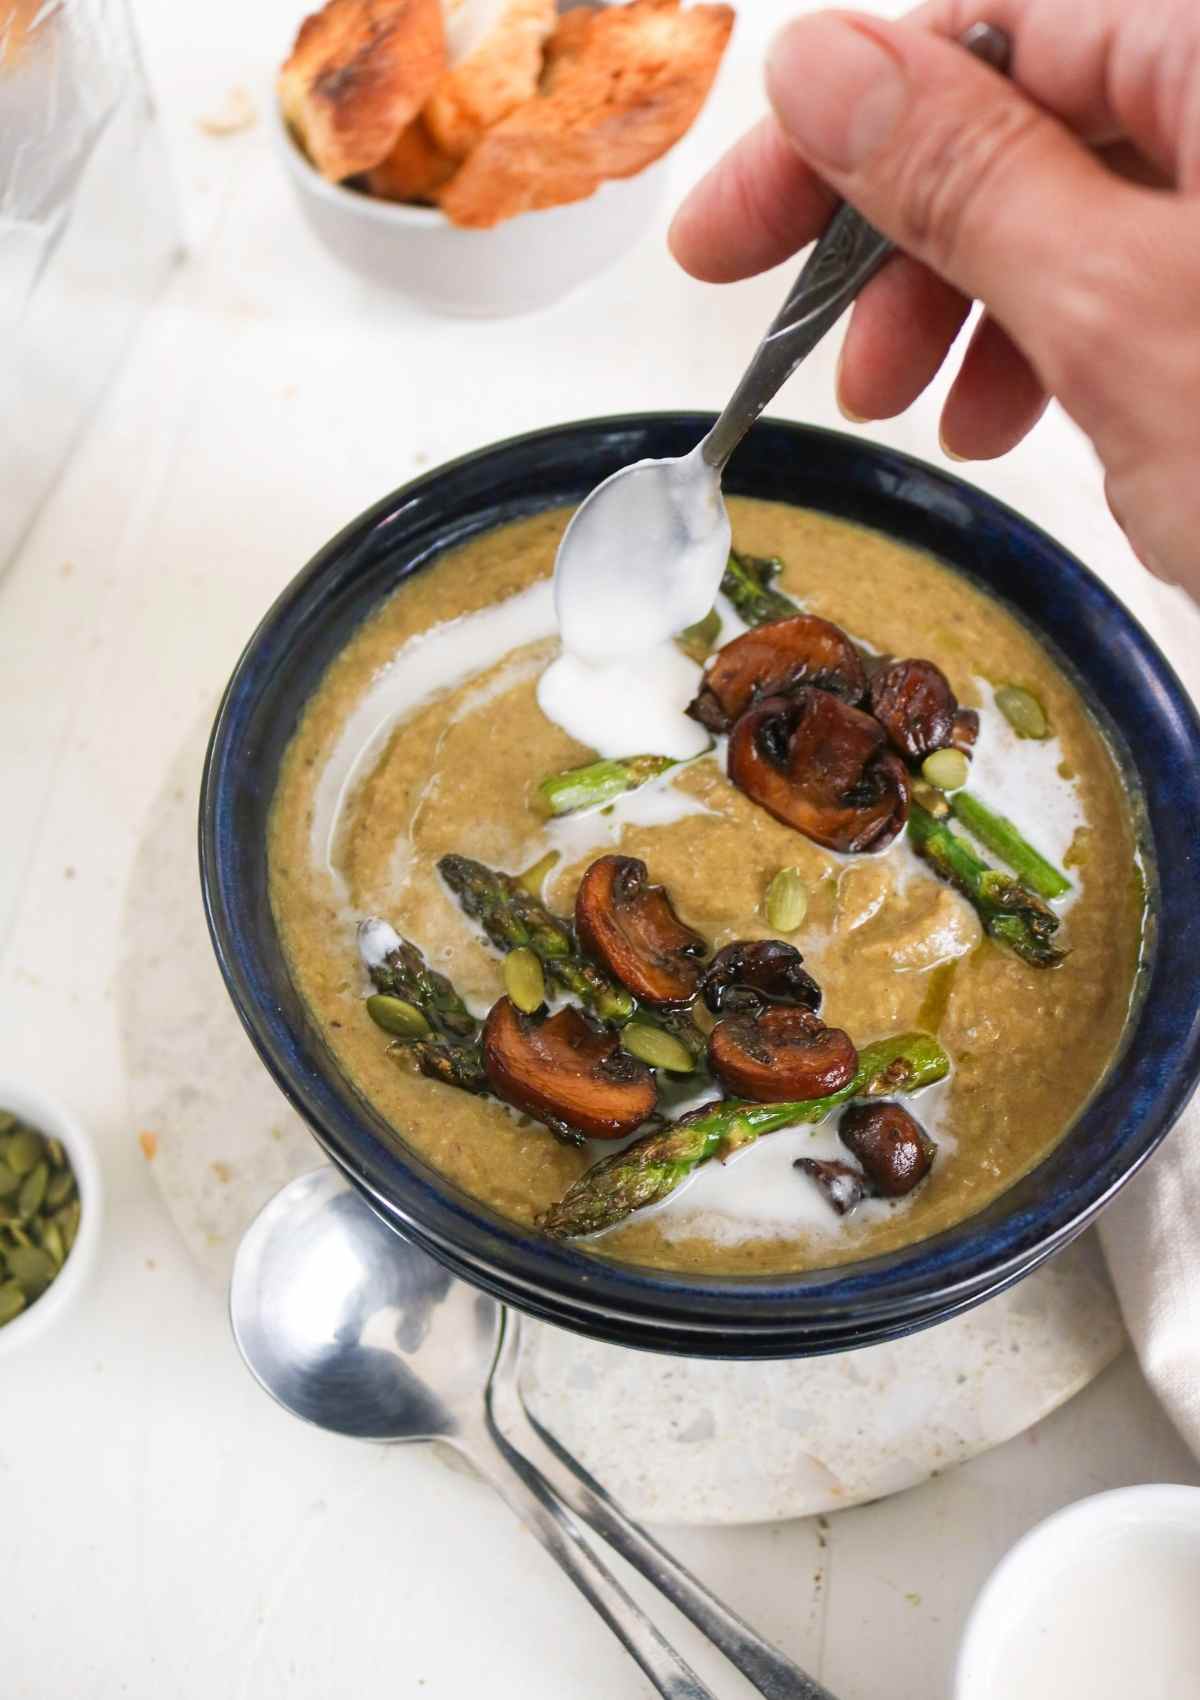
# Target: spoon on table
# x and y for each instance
(650, 543)
(358, 1331)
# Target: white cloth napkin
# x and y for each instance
(1151, 1232)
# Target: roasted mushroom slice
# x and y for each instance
(842, 1186)
(772, 660)
(914, 704)
(965, 731)
(784, 1052)
(568, 1073)
(822, 767)
(629, 926)
(895, 1151)
(745, 977)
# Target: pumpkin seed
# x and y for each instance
(949, 770)
(9, 1183)
(53, 1243)
(1023, 711)
(33, 1191)
(68, 1223)
(32, 1267)
(7, 1121)
(24, 1151)
(524, 980)
(787, 901)
(12, 1301)
(396, 1015)
(57, 1155)
(60, 1187)
(652, 1045)
(533, 879)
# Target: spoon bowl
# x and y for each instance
(352, 1328)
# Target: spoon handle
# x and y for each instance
(771, 1672)
(539, 1508)
(845, 259)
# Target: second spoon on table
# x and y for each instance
(358, 1331)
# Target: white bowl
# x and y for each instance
(32, 1105)
(524, 263)
(1098, 1601)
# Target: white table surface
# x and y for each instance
(168, 1532)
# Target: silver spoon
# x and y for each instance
(673, 507)
(354, 1329)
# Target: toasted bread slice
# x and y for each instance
(498, 66)
(415, 169)
(633, 88)
(359, 73)
(566, 44)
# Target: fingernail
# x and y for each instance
(837, 91)
(846, 412)
(949, 453)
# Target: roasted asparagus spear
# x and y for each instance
(599, 782)
(1010, 913)
(652, 1167)
(511, 916)
(747, 583)
(430, 1024)
(999, 835)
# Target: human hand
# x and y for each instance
(1066, 200)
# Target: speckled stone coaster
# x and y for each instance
(677, 1440)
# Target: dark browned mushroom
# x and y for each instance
(568, 1073)
(842, 1186)
(914, 704)
(629, 926)
(772, 660)
(745, 977)
(784, 1052)
(965, 731)
(822, 767)
(895, 1151)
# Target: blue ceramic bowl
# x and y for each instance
(1124, 675)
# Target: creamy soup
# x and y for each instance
(425, 737)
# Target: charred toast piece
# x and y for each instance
(630, 87)
(415, 169)
(359, 73)
(495, 51)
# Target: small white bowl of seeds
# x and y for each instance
(50, 1210)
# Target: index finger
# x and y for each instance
(753, 210)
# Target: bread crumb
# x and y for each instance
(149, 1145)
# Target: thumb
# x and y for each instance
(954, 164)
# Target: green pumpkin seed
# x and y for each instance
(32, 1267)
(52, 1241)
(524, 980)
(12, 1301)
(60, 1187)
(533, 879)
(24, 1151)
(33, 1191)
(68, 1223)
(9, 1183)
(7, 1122)
(1023, 711)
(949, 770)
(57, 1155)
(787, 901)
(652, 1045)
(396, 1015)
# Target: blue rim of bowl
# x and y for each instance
(1125, 677)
